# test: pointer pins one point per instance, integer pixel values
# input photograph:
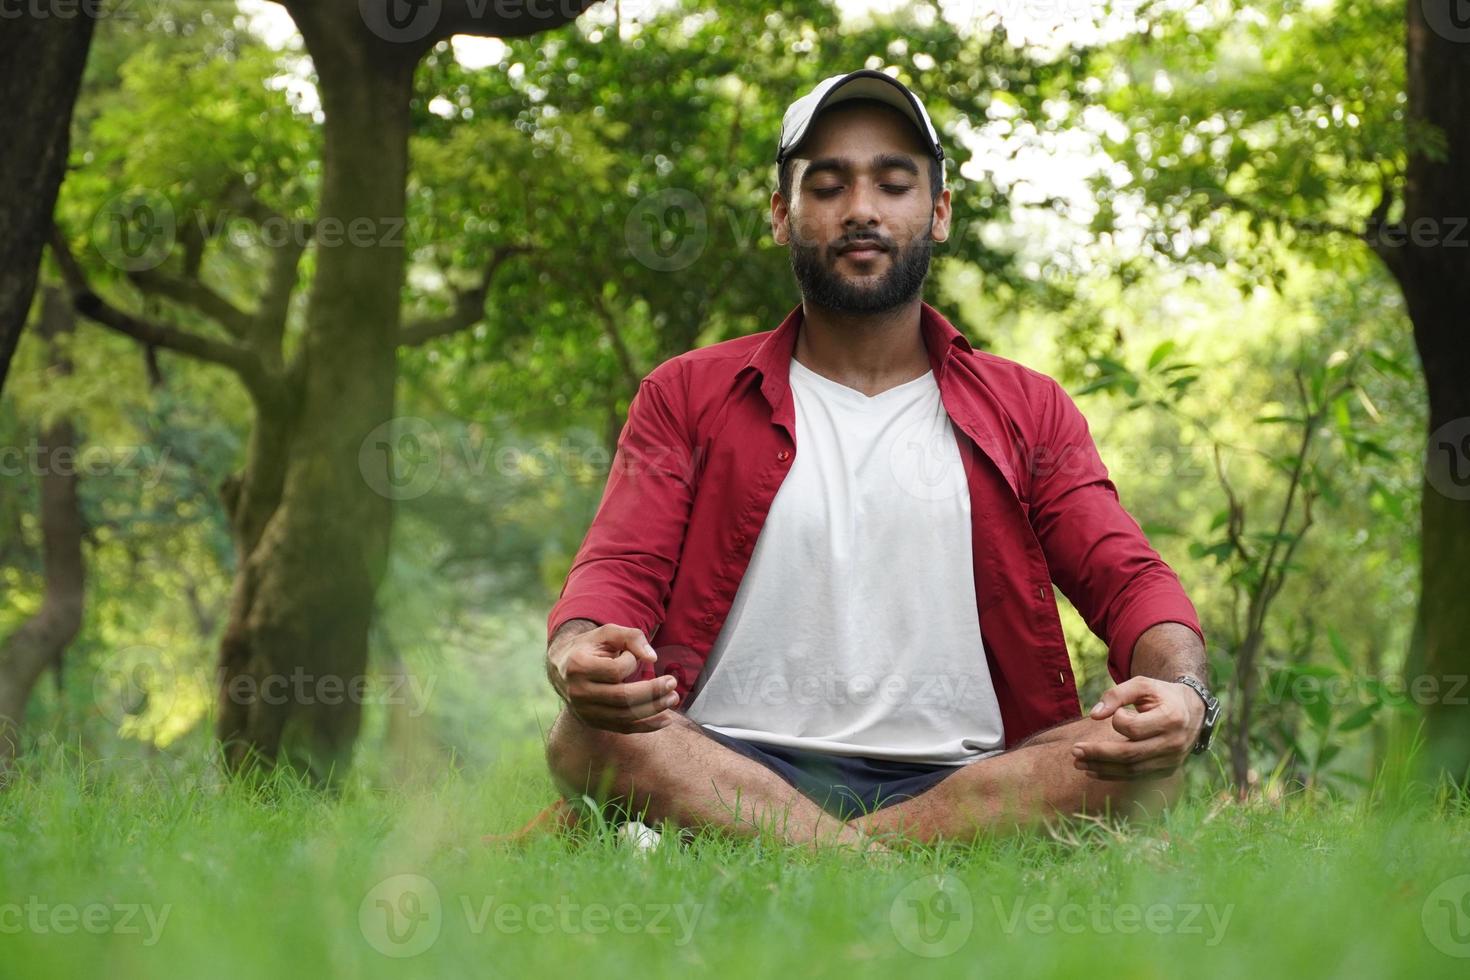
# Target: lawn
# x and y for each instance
(128, 873)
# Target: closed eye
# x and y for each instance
(890, 188)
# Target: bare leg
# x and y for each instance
(680, 774)
(1021, 788)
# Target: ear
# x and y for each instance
(942, 214)
(780, 219)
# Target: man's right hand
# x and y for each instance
(590, 670)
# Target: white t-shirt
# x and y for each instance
(854, 630)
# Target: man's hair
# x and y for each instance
(936, 168)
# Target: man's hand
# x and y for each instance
(1160, 734)
(589, 671)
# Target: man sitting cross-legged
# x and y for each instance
(816, 594)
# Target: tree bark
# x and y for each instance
(40, 641)
(41, 64)
(310, 515)
(1433, 269)
(303, 598)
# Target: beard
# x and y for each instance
(822, 285)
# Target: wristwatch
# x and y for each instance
(1212, 712)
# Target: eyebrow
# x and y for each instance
(883, 161)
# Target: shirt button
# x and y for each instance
(709, 619)
(1041, 592)
(783, 455)
(740, 540)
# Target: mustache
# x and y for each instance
(844, 244)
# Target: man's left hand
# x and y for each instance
(1158, 735)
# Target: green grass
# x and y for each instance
(287, 884)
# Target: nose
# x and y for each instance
(861, 206)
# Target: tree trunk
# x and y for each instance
(41, 63)
(293, 660)
(40, 641)
(1433, 269)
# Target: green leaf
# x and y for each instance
(1360, 718)
(1160, 352)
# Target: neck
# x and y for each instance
(869, 352)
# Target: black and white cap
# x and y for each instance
(863, 84)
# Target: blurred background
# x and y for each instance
(325, 360)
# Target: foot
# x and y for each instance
(561, 817)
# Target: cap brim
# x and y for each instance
(866, 84)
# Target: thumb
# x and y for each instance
(1116, 697)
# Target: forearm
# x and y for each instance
(566, 631)
(1167, 650)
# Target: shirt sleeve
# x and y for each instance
(624, 570)
(1097, 553)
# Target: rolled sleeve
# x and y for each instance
(625, 568)
(1096, 552)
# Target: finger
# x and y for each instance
(1124, 751)
(609, 720)
(624, 696)
(1147, 723)
(601, 666)
(627, 638)
(652, 723)
(1106, 770)
(1127, 692)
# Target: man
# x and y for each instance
(815, 598)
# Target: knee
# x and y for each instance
(572, 750)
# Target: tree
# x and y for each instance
(1260, 123)
(41, 63)
(40, 641)
(311, 529)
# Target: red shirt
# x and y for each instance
(710, 436)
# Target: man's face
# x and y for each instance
(860, 178)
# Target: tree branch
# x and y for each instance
(469, 304)
(238, 359)
(193, 293)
